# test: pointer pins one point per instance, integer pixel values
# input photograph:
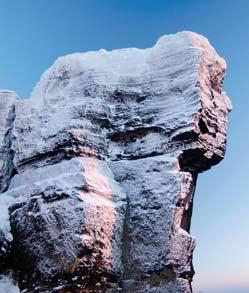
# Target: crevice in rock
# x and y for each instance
(202, 126)
(132, 135)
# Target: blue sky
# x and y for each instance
(34, 33)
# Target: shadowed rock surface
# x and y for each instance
(99, 168)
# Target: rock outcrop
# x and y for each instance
(99, 167)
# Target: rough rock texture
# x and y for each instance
(7, 115)
(99, 167)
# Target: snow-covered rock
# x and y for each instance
(103, 161)
(7, 115)
(7, 285)
(8, 101)
(5, 230)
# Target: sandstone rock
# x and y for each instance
(103, 161)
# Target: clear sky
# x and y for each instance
(34, 33)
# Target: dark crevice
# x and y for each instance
(193, 160)
(202, 126)
(123, 96)
(132, 135)
(186, 136)
(187, 214)
(126, 240)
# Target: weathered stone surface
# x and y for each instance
(75, 211)
(7, 115)
(159, 197)
(8, 101)
(103, 161)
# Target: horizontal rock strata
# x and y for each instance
(99, 168)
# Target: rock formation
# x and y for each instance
(99, 167)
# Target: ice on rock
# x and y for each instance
(99, 167)
(5, 230)
(7, 285)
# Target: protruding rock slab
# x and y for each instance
(103, 161)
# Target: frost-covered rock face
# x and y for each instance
(7, 285)
(7, 115)
(99, 167)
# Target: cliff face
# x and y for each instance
(99, 167)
